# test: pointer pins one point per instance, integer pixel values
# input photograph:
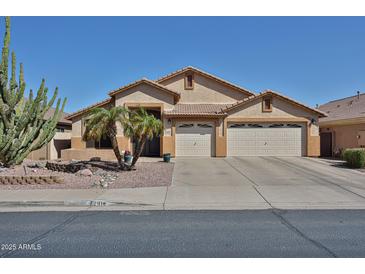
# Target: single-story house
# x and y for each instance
(344, 126)
(204, 115)
(61, 140)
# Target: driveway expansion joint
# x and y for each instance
(164, 201)
(263, 197)
(240, 172)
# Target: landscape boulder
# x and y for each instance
(85, 172)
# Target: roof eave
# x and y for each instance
(345, 121)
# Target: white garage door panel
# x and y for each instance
(195, 140)
(265, 141)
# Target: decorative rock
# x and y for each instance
(84, 172)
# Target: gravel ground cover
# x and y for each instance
(146, 174)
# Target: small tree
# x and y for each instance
(103, 122)
(23, 128)
(141, 126)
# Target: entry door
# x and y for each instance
(265, 140)
(326, 144)
(194, 139)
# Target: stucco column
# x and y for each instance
(166, 140)
(220, 138)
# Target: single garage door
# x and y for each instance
(265, 139)
(194, 139)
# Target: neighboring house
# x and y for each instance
(204, 115)
(344, 127)
(61, 140)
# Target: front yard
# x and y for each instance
(94, 175)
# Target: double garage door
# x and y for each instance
(265, 139)
(283, 139)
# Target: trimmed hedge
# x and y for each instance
(355, 157)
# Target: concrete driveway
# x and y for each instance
(264, 182)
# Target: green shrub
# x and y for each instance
(355, 158)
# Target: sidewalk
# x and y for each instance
(157, 198)
(151, 198)
(83, 199)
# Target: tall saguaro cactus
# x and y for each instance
(23, 127)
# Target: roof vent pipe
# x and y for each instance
(358, 95)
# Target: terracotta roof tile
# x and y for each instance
(197, 109)
(346, 108)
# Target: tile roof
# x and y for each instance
(146, 81)
(98, 104)
(197, 109)
(190, 68)
(346, 108)
(273, 93)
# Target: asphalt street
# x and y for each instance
(247, 233)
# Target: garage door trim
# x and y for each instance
(264, 139)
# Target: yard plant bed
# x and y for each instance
(102, 175)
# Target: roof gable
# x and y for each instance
(83, 110)
(275, 94)
(148, 82)
(205, 74)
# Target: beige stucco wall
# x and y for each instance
(280, 108)
(144, 93)
(205, 90)
(49, 151)
(39, 154)
(76, 126)
(86, 154)
(61, 136)
(346, 136)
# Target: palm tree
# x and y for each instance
(141, 126)
(103, 122)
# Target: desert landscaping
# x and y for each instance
(84, 175)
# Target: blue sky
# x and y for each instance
(311, 59)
